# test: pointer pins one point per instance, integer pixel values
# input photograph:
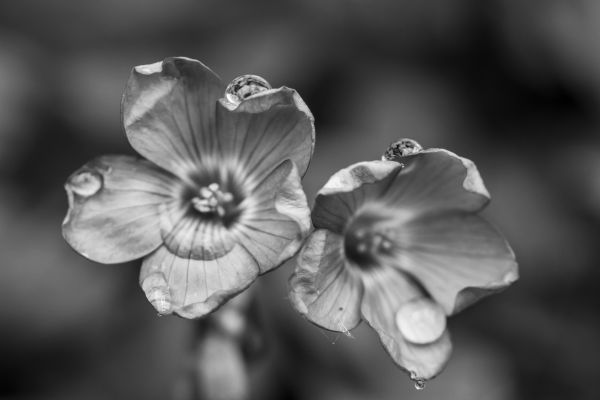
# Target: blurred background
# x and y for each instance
(514, 86)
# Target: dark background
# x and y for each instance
(514, 86)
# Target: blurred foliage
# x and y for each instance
(514, 86)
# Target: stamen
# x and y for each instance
(211, 200)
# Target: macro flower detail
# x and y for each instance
(399, 243)
(216, 199)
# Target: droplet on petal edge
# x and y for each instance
(419, 383)
(85, 183)
(421, 321)
(157, 292)
(401, 148)
(245, 86)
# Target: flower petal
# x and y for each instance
(277, 219)
(435, 180)
(457, 257)
(115, 204)
(189, 236)
(194, 288)
(430, 181)
(265, 130)
(169, 112)
(350, 188)
(386, 291)
(322, 289)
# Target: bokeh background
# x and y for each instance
(514, 86)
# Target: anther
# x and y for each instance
(211, 200)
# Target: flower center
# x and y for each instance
(211, 200)
(363, 246)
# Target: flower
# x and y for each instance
(398, 243)
(217, 200)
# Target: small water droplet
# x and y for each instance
(401, 148)
(85, 183)
(419, 384)
(245, 86)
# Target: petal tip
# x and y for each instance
(157, 292)
(473, 181)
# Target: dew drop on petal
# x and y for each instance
(245, 86)
(421, 321)
(85, 183)
(401, 148)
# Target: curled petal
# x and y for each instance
(265, 130)
(387, 291)
(169, 112)
(457, 257)
(348, 189)
(322, 289)
(277, 220)
(115, 204)
(264, 100)
(194, 288)
(433, 180)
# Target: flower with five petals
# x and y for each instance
(216, 199)
(398, 243)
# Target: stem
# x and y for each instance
(219, 369)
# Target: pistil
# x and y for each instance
(212, 200)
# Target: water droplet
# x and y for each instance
(419, 384)
(85, 183)
(421, 321)
(401, 148)
(245, 86)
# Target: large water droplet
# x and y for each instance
(401, 148)
(245, 86)
(85, 183)
(421, 321)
